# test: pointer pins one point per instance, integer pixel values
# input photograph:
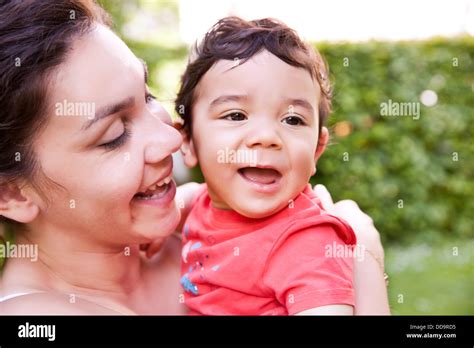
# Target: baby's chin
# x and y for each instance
(259, 208)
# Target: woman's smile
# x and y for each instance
(161, 195)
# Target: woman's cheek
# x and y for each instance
(123, 177)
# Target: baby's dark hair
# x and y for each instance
(233, 38)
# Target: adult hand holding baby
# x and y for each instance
(362, 224)
(370, 288)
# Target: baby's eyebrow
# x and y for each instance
(228, 98)
(299, 102)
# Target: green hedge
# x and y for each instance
(390, 159)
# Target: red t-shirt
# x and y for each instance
(279, 265)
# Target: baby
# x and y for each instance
(254, 99)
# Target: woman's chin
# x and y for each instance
(159, 227)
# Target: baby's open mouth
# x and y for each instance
(264, 176)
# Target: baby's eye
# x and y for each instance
(235, 116)
(294, 120)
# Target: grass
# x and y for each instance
(431, 279)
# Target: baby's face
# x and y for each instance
(255, 133)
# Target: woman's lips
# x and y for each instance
(161, 196)
(264, 180)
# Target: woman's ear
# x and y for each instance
(16, 204)
(188, 150)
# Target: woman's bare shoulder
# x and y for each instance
(45, 303)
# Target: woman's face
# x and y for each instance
(107, 143)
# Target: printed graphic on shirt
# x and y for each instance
(196, 268)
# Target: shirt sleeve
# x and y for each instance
(312, 266)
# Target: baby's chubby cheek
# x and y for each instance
(229, 189)
(302, 170)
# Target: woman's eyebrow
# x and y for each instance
(109, 110)
(145, 69)
(116, 107)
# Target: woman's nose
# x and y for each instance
(162, 139)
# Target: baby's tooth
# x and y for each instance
(167, 180)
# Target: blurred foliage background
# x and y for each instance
(414, 177)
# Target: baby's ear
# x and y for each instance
(16, 204)
(188, 150)
(322, 143)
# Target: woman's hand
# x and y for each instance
(362, 224)
(369, 278)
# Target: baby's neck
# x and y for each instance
(220, 204)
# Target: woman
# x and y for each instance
(81, 140)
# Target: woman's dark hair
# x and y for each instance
(35, 38)
(233, 38)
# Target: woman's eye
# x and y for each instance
(294, 121)
(117, 142)
(235, 116)
(149, 97)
